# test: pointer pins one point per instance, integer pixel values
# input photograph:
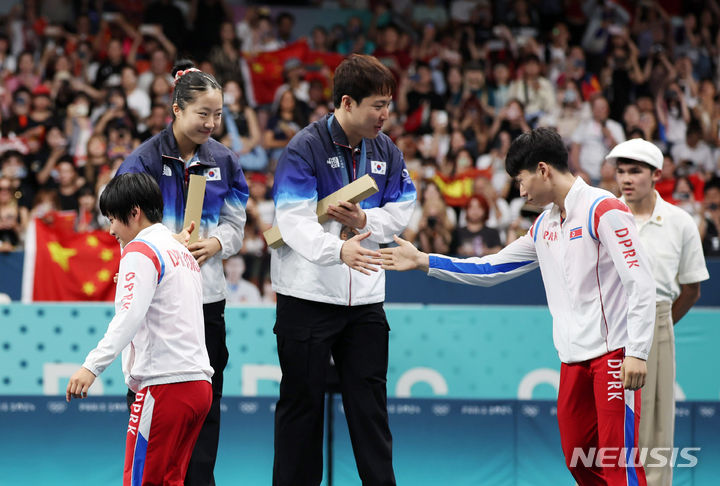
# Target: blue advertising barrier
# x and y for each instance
(475, 352)
(435, 441)
(454, 380)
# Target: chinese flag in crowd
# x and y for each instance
(266, 68)
(315, 60)
(63, 265)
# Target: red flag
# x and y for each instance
(67, 266)
(321, 66)
(266, 70)
(316, 60)
(418, 118)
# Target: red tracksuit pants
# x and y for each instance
(599, 423)
(165, 421)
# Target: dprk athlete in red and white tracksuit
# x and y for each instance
(601, 293)
(158, 327)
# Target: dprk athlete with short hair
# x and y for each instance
(600, 291)
(158, 328)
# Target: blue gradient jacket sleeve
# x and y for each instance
(397, 205)
(230, 229)
(295, 195)
(516, 259)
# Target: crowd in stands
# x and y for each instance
(84, 83)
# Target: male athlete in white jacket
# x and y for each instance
(601, 294)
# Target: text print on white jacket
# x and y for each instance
(598, 278)
(158, 324)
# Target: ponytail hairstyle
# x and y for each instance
(189, 82)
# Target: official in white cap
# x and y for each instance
(671, 237)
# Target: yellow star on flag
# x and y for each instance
(61, 255)
(103, 275)
(92, 241)
(88, 288)
(106, 255)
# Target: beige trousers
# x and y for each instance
(657, 411)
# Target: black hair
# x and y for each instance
(360, 76)
(636, 132)
(713, 183)
(190, 84)
(474, 65)
(243, 97)
(694, 127)
(86, 190)
(67, 159)
(130, 67)
(320, 28)
(26, 52)
(8, 154)
(132, 190)
(392, 26)
(686, 179)
(284, 15)
(81, 94)
(115, 91)
(538, 145)
(154, 105)
(21, 90)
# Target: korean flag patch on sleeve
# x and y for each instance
(378, 167)
(212, 174)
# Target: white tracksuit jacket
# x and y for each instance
(158, 324)
(598, 279)
(316, 163)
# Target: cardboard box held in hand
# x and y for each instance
(354, 192)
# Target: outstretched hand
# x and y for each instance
(359, 258)
(404, 257)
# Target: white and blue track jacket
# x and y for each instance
(598, 279)
(316, 163)
(158, 323)
(226, 194)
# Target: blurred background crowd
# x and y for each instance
(85, 82)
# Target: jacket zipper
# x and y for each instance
(350, 287)
(354, 176)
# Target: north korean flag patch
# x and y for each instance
(212, 174)
(576, 233)
(378, 167)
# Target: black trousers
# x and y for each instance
(202, 461)
(357, 337)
